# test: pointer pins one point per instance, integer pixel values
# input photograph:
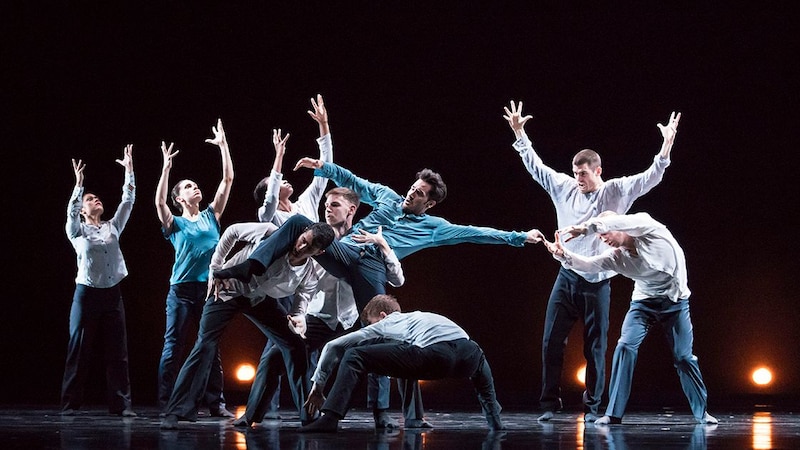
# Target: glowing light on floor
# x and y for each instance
(245, 372)
(762, 431)
(762, 376)
(581, 374)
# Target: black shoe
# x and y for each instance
(383, 420)
(325, 424)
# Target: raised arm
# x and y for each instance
(125, 207)
(73, 225)
(162, 209)
(320, 115)
(515, 119)
(224, 188)
(267, 209)
(669, 131)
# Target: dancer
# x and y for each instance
(193, 234)
(578, 295)
(406, 227)
(645, 251)
(98, 313)
(292, 274)
(416, 345)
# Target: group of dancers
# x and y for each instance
(318, 288)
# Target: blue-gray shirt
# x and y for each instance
(408, 233)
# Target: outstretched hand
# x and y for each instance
(219, 135)
(308, 163)
(320, 114)
(168, 154)
(669, 130)
(573, 231)
(515, 118)
(78, 167)
(534, 236)
(127, 158)
(556, 246)
(279, 142)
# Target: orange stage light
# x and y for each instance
(762, 376)
(245, 372)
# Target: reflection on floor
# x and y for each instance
(36, 427)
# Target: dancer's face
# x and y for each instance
(91, 205)
(417, 200)
(588, 179)
(338, 210)
(303, 247)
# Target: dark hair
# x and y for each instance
(586, 156)
(438, 190)
(260, 191)
(380, 303)
(322, 233)
(348, 194)
(176, 190)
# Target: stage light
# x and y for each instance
(245, 372)
(581, 374)
(762, 376)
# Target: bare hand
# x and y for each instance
(168, 154)
(669, 130)
(78, 167)
(219, 135)
(514, 116)
(279, 142)
(308, 163)
(314, 401)
(320, 114)
(534, 236)
(573, 231)
(127, 158)
(365, 236)
(298, 325)
(555, 247)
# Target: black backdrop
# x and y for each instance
(412, 85)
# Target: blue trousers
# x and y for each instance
(97, 314)
(573, 299)
(674, 319)
(185, 306)
(270, 318)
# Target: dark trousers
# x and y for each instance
(573, 299)
(185, 303)
(460, 358)
(97, 314)
(362, 267)
(270, 318)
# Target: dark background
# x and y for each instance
(411, 85)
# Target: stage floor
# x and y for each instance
(37, 427)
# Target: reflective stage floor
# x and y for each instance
(37, 427)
